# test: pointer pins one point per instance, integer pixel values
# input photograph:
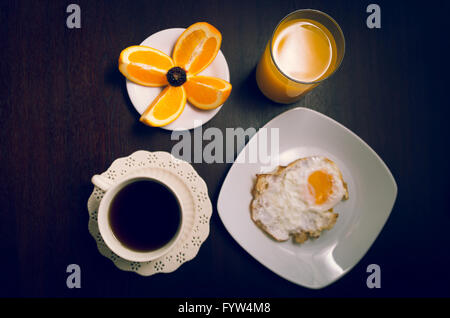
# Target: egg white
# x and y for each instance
(288, 206)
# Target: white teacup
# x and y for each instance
(112, 189)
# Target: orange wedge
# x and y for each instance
(207, 92)
(197, 47)
(145, 65)
(166, 107)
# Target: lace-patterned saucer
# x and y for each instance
(194, 233)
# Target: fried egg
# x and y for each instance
(298, 200)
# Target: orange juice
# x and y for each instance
(302, 53)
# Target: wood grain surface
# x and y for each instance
(65, 115)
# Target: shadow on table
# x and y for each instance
(249, 91)
(258, 107)
(114, 78)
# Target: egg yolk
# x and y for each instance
(320, 185)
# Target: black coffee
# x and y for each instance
(145, 215)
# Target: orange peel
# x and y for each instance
(194, 51)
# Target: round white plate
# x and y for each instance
(142, 96)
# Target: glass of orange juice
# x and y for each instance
(306, 48)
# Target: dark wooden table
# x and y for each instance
(65, 115)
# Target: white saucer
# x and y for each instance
(142, 96)
(196, 199)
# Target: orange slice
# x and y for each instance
(145, 65)
(197, 47)
(207, 92)
(166, 107)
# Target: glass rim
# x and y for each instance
(314, 11)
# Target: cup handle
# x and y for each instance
(101, 182)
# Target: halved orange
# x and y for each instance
(166, 107)
(207, 92)
(145, 65)
(197, 47)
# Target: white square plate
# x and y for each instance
(372, 189)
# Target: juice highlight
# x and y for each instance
(303, 53)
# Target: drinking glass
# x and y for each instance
(273, 76)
